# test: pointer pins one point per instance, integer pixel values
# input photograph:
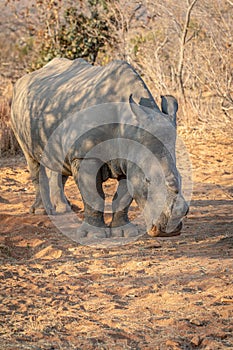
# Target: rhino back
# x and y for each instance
(66, 85)
(45, 98)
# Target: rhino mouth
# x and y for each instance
(156, 231)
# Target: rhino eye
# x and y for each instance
(148, 180)
(175, 191)
(173, 187)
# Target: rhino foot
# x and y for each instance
(42, 211)
(63, 208)
(88, 231)
(127, 231)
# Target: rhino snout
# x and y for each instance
(156, 231)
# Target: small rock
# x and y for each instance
(155, 245)
(196, 340)
(227, 300)
(173, 345)
(48, 253)
(197, 322)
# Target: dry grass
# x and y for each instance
(8, 142)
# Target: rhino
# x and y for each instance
(95, 123)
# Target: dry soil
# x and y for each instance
(148, 294)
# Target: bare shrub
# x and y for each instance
(8, 142)
(183, 48)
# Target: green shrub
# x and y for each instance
(71, 33)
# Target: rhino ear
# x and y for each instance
(169, 106)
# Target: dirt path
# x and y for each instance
(150, 294)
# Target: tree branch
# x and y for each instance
(183, 42)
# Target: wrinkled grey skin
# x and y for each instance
(57, 196)
(46, 98)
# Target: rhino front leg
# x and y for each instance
(121, 226)
(56, 184)
(88, 177)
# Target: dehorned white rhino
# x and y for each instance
(96, 123)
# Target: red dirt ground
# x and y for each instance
(149, 294)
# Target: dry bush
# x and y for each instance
(8, 142)
(14, 57)
(183, 48)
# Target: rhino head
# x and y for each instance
(156, 185)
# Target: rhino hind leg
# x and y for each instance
(41, 185)
(90, 186)
(56, 185)
(121, 226)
